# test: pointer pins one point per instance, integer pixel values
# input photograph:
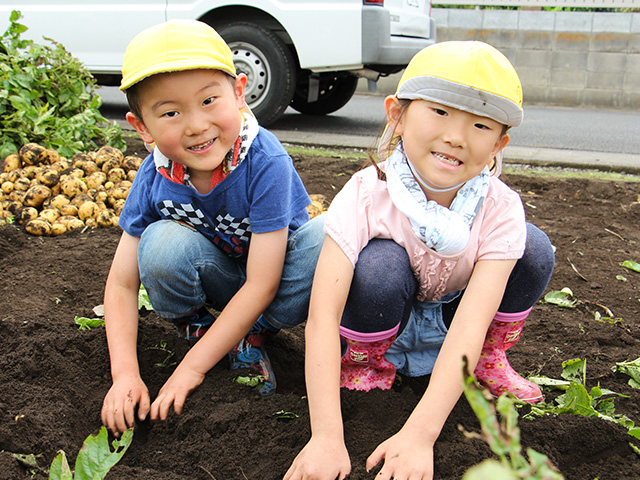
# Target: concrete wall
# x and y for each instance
(563, 58)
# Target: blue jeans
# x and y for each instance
(182, 271)
(383, 288)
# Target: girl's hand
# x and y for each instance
(320, 459)
(118, 407)
(175, 391)
(405, 457)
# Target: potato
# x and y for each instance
(17, 196)
(7, 187)
(91, 222)
(90, 167)
(73, 186)
(58, 229)
(36, 195)
(29, 171)
(110, 164)
(5, 214)
(49, 156)
(96, 179)
(88, 210)
(13, 206)
(131, 175)
(99, 196)
(105, 218)
(49, 214)
(55, 190)
(31, 154)
(314, 210)
(119, 193)
(118, 206)
(61, 165)
(22, 184)
(78, 200)
(58, 201)
(116, 175)
(12, 162)
(75, 223)
(105, 153)
(69, 210)
(48, 177)
(24, 214)
(80, 158)
(38, 227)
(76, 172)
(109, 185)
(131, 162)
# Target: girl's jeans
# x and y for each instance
(383, 287)
(182, 271)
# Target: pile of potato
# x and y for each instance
(51, 194)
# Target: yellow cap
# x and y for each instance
(175, 46)
(467, 75)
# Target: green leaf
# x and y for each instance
(143, 299)
(632, 369)
(575, 370)
(88, 323)
(59, 469)
(250, 380)
(95, 458)
(490, 469)
(631, 265)
(562, 298)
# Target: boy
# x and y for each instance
(216, 216)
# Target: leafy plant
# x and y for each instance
(95, 458)
(632, 369)
(48, 96)
(143, 299)
(250, 380)
(631, 265)
(88, 323)
(162, 346)
(562, 298)
(499, 426)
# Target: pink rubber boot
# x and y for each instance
(493, 369)
(363, 365)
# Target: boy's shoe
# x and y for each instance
(249, 353)
(195, 325)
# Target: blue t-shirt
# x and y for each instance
(264, 193)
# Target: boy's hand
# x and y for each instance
(320, 459)
(118, 407)
(405, 457)
(174, 392)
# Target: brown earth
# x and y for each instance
(53, 376)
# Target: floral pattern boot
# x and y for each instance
(493, 369)
(364, 367)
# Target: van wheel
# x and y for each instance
(335, 90)
(268, 64)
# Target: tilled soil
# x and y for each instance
(54, 376)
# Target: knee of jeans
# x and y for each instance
(384, 267)
(538, 256)
(161, 243)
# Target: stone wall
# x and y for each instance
(563, 58)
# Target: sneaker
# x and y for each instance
(195, 325)
(250, 354)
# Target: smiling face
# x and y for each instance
(446, 146)
(192, 116)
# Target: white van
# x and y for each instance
(304, 53)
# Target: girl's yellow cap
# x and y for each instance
(175, 46)
(467, 75)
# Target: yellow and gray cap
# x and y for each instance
(467, 75)
(175, 46)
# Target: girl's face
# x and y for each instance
(193, 116)
(446, 146)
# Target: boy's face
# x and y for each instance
(447, 146)
(192, 116)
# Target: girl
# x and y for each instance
(417, 268)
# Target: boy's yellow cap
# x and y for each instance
(467, 75)
(175, 46)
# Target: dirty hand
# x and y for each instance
(405, 456)
(174, 392)
(320, 459)
(118, 407)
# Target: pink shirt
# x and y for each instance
(363, 210)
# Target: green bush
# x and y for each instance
(47, 96)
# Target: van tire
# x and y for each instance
(268, 64)
(336, 89)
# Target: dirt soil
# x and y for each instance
(54, 376)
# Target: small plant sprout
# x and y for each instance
(499, 426)
(162, 346)
(284, 415)
(88, 323)
(95, 458)
(621, 278)
(562, 298)
(250, 380)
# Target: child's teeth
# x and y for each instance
(200, 147)
(447, 159)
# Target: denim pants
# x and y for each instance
(383, 290)
(182, 271)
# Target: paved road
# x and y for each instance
(548, 135)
